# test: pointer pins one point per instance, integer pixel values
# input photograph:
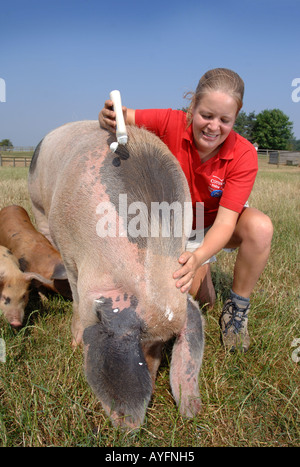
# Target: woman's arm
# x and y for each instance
(107, 116)
(216, 238)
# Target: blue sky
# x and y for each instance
(60, 59)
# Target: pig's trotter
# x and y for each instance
(186, 362)
(115, 366)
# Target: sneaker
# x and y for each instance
(233, 323)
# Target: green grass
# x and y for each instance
(248, 400)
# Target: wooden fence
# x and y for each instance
(11, 161)
(9, 149)
(275, 157)
(284, 157)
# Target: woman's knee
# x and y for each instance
(255, 227)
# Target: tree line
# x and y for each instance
(270, 129)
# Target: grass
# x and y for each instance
(249, 400)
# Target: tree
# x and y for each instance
(6, 143)
(272, 130)
(295, 144)
(244, 125)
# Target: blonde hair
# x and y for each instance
(217, 79)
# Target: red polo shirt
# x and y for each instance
(226, 179)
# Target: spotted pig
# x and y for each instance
(15, 287)
(34, 252)
(125, 303)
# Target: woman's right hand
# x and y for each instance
(107, 116)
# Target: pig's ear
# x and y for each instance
(60, 281)
(59, 272)
(33, 276)
(63, 288)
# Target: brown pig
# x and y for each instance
(14, 287)
(101, 211)
(34, 251)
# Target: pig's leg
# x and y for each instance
(76, 326)
(152, 353)
(41, 221)
(115, 366)
(186, 362)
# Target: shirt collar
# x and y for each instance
(225, 151)
(188, 134)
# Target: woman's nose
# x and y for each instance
(214, 124)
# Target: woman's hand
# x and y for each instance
(107, 116)
(186, 273)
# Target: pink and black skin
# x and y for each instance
(125, 303)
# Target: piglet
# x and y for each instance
(15, 287)
(33, 250)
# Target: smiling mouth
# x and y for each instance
(209, 135)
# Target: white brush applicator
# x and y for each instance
(121, 132)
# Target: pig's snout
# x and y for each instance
(16, 323)
(14, 317)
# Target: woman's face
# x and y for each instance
(213, 119)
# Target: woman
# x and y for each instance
(220, 167)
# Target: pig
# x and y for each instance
(15, 287)
(125, 303)
(34, 251)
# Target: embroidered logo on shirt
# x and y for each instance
(216, 186)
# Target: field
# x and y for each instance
(249, 400)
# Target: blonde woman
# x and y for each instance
(220, 167)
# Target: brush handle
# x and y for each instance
(121, 132)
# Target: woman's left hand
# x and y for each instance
(186, 273)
